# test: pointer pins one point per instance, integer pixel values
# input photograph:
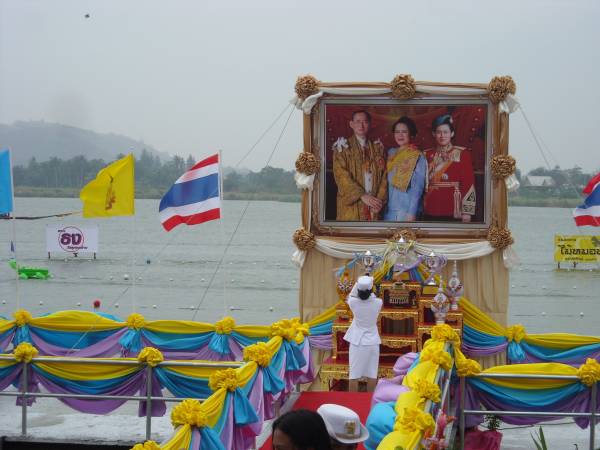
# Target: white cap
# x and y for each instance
(364, 283)
(343, 424)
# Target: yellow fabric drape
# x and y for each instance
(532, 369)
(180, 440)
(87, 371)
(75, 321)
(202, 372)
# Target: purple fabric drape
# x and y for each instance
(204, 353)
(107, 347)
(577, 403)
(135, 384)
(470, 350)
(322, 342)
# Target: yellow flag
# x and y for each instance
(112, 193)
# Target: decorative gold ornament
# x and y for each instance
(304, 239)
(403, 86)
(307, 163)
(306, 86)
(503, 166)
(151, 356)
(136, 321)
(499, 88)
(499, 238)
(406, 234)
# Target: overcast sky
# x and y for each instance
(197, 76)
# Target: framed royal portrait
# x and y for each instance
(386, 164)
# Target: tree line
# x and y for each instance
(152, 177)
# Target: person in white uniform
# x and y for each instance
(363, 334)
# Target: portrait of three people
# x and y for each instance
(410, 166)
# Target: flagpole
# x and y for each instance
(14, 228)
(222, 231)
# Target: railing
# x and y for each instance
(592, 414)
(24, 394)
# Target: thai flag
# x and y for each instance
(589, 212)
(195, 197)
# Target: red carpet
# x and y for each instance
(357, 401)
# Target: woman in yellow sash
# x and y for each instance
(406, 174)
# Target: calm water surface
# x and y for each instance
(257, 277)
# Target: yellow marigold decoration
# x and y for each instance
(136, 321)
(304, 239)
(24, 352)
(225, 325)
(226, 378)
(499, 88)
(306, 86)
(150, 356)
(515, 333)
(445, 333)
(307, 163)
(467, 367)
(189, 412)
(437, 356)
(403, 86)
(427, 389)
(148, 445)
(503, 166)
(22, 317)
(406, 234)
(589, 372)
(290, 330)
(500, 238)
(259, 353)
(413, 419)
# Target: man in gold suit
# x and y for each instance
(359, 172)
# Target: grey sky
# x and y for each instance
(195, 77)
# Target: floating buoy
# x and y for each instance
(139, 278)
(153, 306)
(111, 277)
(41, 303)
(262, 281)
(202, 279)
(543, 313)
(574, 287)
(148, 261)
(170, 279)
(97, 303)
(232, 280)
(271, 308)
(231, 308)
(78, 303)
(126, 276)
(4, 302)
(581, 314)
(116, 305)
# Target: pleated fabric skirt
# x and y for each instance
(364, 361)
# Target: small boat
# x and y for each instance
(26, 273)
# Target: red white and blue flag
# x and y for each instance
(195, 197)
(589, 212)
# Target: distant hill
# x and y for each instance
(44, 140)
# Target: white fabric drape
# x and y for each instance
(458, 251)
(304, 181)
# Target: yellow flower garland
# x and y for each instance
(136, 321)
(25, 352)
(437, 356)
(22, 317)
(226, 378)
(445, 333)
(414, 419)
(148, 445)
(259, 353)
(189, 412)
(515, 333)
(150, 356)
(225, 325)
(589, 372)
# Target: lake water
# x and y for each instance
(173, 270)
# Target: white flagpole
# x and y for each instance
(222, 232)
(14, 228)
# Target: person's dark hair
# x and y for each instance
(305, 429)
(410, 124)
(364, 294)
(366, 113)
(445, 119)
